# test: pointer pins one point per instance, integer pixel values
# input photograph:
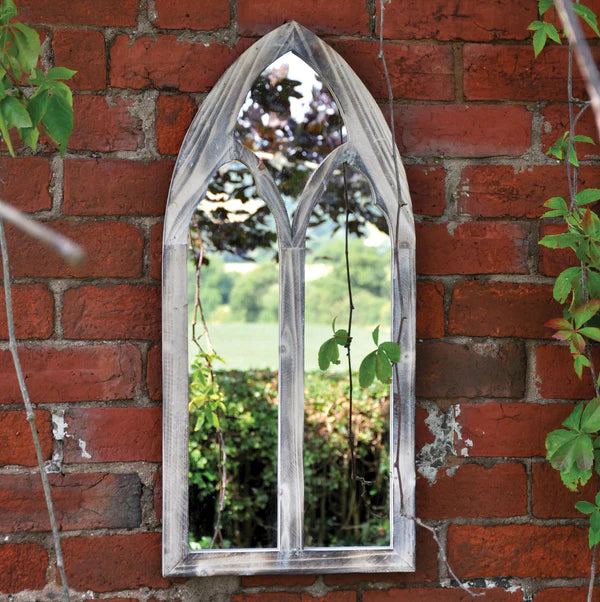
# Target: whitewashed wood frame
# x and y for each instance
(209, 144)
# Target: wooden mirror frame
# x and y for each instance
(209, 144)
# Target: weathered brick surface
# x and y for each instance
(154, 372)
(16, 440)
(474, 491)
(102, 258)
(462, 130)
(173, 117)
(559, 594)
(25, 182)
(112, 562)
(417, 71)
(91, 372)
(470, 21)
(35, 318)
(257, 17)
(555, 121)
(188, 14)
(438, 594)
(84, 51)
(115, 187)
(119, 311)
(518, 551)
(430, 310)
(426, 185)
(554, 261)
(472, 248)
(502, 309)
(113, 435)
(83, 12)
(84, 501)
(167, 63)
(156, 251)
(474, 370)
(23, 567)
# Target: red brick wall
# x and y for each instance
(474, 113)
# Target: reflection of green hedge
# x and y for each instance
(337, 510)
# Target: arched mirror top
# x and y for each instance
(211, 140)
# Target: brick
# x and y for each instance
(554, 261)
(157, 494)
(469, 20)
(518, 551)
(83, 50)
(116, 187)
(83, 12)
(278, 580)
(447, 370)
(114, 562)
(156, 236)
(474, 491)
(105, 125)
(512, 430)
(23, 567)
(555, 377)
(16, 442)
(174, 115)
(505, 191)
(551, 499)
(560, 594)
(502, 309)
(33, 307)
(87, 373)
(438, 594)
(462, 130)
(267, 597)
(430, 310)
(120, 311)
(154, 372)
(257, 17)
(512, 72)
(81, 501)
(165, 62)
(426, 567)
(426, 185)
(188, 14)
(25, 182)
(113, 435)
(555, 122)
(417, 71)
(472, 248)
(103, 257)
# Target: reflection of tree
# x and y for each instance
(291, 147)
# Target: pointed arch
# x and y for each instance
(210, 143)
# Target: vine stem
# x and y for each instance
(396, 388)
(29, 411)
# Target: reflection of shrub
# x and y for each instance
(337, 510)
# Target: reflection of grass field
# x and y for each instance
(246, 346)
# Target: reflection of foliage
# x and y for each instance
(291, 149)
(338, 511)
(255, 296)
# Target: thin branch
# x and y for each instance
(592, 573)
(29, 410)
(71, 252)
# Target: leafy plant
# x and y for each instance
(31, 100)
(379, 362)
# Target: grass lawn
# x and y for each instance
(254, 346)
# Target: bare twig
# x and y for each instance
(71, 252)
(29, 410)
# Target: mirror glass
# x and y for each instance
(346, 482)
(233, 340)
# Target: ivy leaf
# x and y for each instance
(582, 138)
(594, 533)
(563, 284)
(535, 25)
(375, 335)
(574, 477)
(586, 311)
(540, 38)
(585, 507)
(392, 350)
(588, 16)
(8, 10)
(579, 363)
(383, 367)
(544, 5)
(591, 332)
(366, 372)
(328, 354)
(14, 113)
(58, 120)
(590, 419)
(552, 33)
(585, 197)
(561, 241)
(27, 42)
(57, 73)
(573, 420)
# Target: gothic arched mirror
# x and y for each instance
(288, 241)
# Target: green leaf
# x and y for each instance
(57, 73)
(535, 25)
(585, 197)
(574, 477)
(579, 363)
(325, 354)
(539, 40)
(564, 283)
(36, 106)
(586, 311)
(573, 420)
(8, 10)
(561, 241)
(594, 533)
(552, 33)
(375, 335)
(585, 507)
(544, 5)
(383, 367)
(28, 46)
(30, 137)
(366, 372)
(58, 121)
(341, 337)
(573, 157)
(6, 135)
(582, 138)
(588, 16)
(590, 419)
(392, 350)
(583, 451)
(14, 113)
(591, 332)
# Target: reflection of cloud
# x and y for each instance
(237, 210)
